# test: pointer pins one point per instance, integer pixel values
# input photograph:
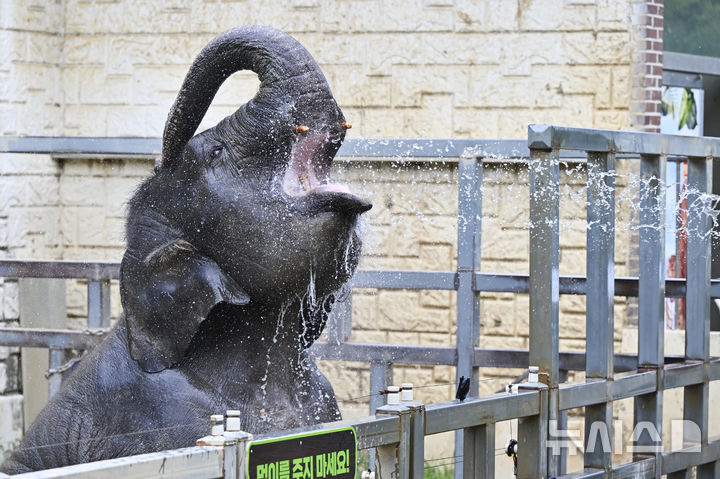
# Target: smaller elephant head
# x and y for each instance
(245, 212)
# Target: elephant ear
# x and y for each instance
(166, 296)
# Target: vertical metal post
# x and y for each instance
(417, 444)
(544, 262)
(470, 173)
(417, 436)
(42, 305)
(393, 460)
(235, 459)
(339, 323)
(479, 447)
(600, 300)
(532, 437)
(381, 376)
(544, 275)
(697, 322)
(651, 300)
(98, 304)
(562, 425)
(235, 452)
(230, 461)
(57, 358)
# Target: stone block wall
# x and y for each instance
(29, 228)
(31, 93)
(425, 68)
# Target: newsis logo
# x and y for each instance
(644, 439)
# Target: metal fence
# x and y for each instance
(542, 406)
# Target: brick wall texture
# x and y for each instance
(418, 68)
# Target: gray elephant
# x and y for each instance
(235, 248)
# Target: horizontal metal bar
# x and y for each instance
(383, 352)
(637, 469)
(454, 415)
(714, 370)
(396, 149)
(366, 352)
(601, 391)
(95, 271)
(587, 473)
(624, 286)
(583, 394)
(674, 287)
(81, 145)
(377, 432)
(440, 355)
(684, 374)
(547, 137)
(432, 148)
(192, 462)
(370, 431)
(682, 79)
(643, 468)
(501, 283)
(569, 361)
(636, 384)
(405, 279)
(385, 279)
(685, 62)
(50, 338)
(352, 147)
(682, 459)
(520, 283)
(503, 358)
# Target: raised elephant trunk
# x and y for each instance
(236, 248)
(246, 208)
(290, 81)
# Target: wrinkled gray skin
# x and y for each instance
(235, 248)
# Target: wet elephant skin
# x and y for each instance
(236, 249)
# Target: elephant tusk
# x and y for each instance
(346, 125)
(301, 129)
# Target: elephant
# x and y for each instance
(237, 247)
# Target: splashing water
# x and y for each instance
(278, 329)
(631, 195)
(414, 225)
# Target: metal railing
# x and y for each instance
(543, 406)
(601, 387)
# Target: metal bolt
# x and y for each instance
(393, 397)
(406, 393)
(232, 422)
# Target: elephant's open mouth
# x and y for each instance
(307, 179)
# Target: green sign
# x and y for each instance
(326, 454)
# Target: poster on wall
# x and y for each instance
(682, 111)
(682, 114)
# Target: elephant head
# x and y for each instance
(244, 212)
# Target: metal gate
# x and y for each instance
(541, 404)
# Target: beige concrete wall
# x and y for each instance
(425, 68)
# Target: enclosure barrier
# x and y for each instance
(541, 407)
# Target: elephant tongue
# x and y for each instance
(307, 179)
(308, 171)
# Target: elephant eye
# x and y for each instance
(216, 152)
